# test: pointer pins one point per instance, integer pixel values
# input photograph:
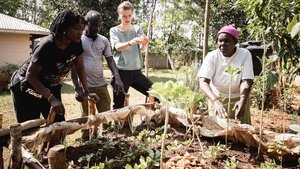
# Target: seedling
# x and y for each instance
(232, 71)
(214, 151)
(87, 158)
(231, 163)
(277, 147)
(269, 165)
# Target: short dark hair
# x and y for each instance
(92, 14)
(64, 20)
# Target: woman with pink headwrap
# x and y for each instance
(215, 81)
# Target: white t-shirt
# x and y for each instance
(93, 57)
(214, 66)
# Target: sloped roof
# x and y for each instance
(13, 25)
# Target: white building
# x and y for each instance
(17, 39)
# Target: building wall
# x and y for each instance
(14, 48)
(157, 61)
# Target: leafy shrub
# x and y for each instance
(265, 86)
(6, 72)
(269, 92)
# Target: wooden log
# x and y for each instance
(29, 161)
(70, 126)
(151, 99)
(1, 148)
(56, 136)
(92, 111)
(51, 117)
(24, 126)
(57, 157)
(126, 100)
(16, 146)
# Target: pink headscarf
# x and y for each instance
(230, 30)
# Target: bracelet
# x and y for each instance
(50, 97)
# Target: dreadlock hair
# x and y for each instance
(64, 20)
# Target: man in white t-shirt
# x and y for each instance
(215, 81)
(96, 47)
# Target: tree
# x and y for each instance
(294, 26)
(179, 34)
(108, 10)
(9, 7)
(223, 12)
(272, 18)
(149, 33)
(176, 35)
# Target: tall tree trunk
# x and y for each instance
(206, 26)
(148, 35)
(172, 63)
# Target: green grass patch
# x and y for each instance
(7, 109)
(162, 75)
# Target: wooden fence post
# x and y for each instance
(58, 136)
(151, 99)
(126, 100)
(51, 116)
(92, 111)
(57, 157)
(16, 159)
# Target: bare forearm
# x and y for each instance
(246, 87)
(81, 73)
(38, 86)
(123, 46)
(74, 78)
(112, 65)
(32, 78)
(204, 86)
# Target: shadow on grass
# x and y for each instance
(67, 88)
(160, 75)
(4, 93)
(160, 79)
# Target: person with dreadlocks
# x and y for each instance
(36, 85)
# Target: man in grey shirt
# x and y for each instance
(95, 48)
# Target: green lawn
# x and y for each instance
(7, 109)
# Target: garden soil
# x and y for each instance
(114, 144)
